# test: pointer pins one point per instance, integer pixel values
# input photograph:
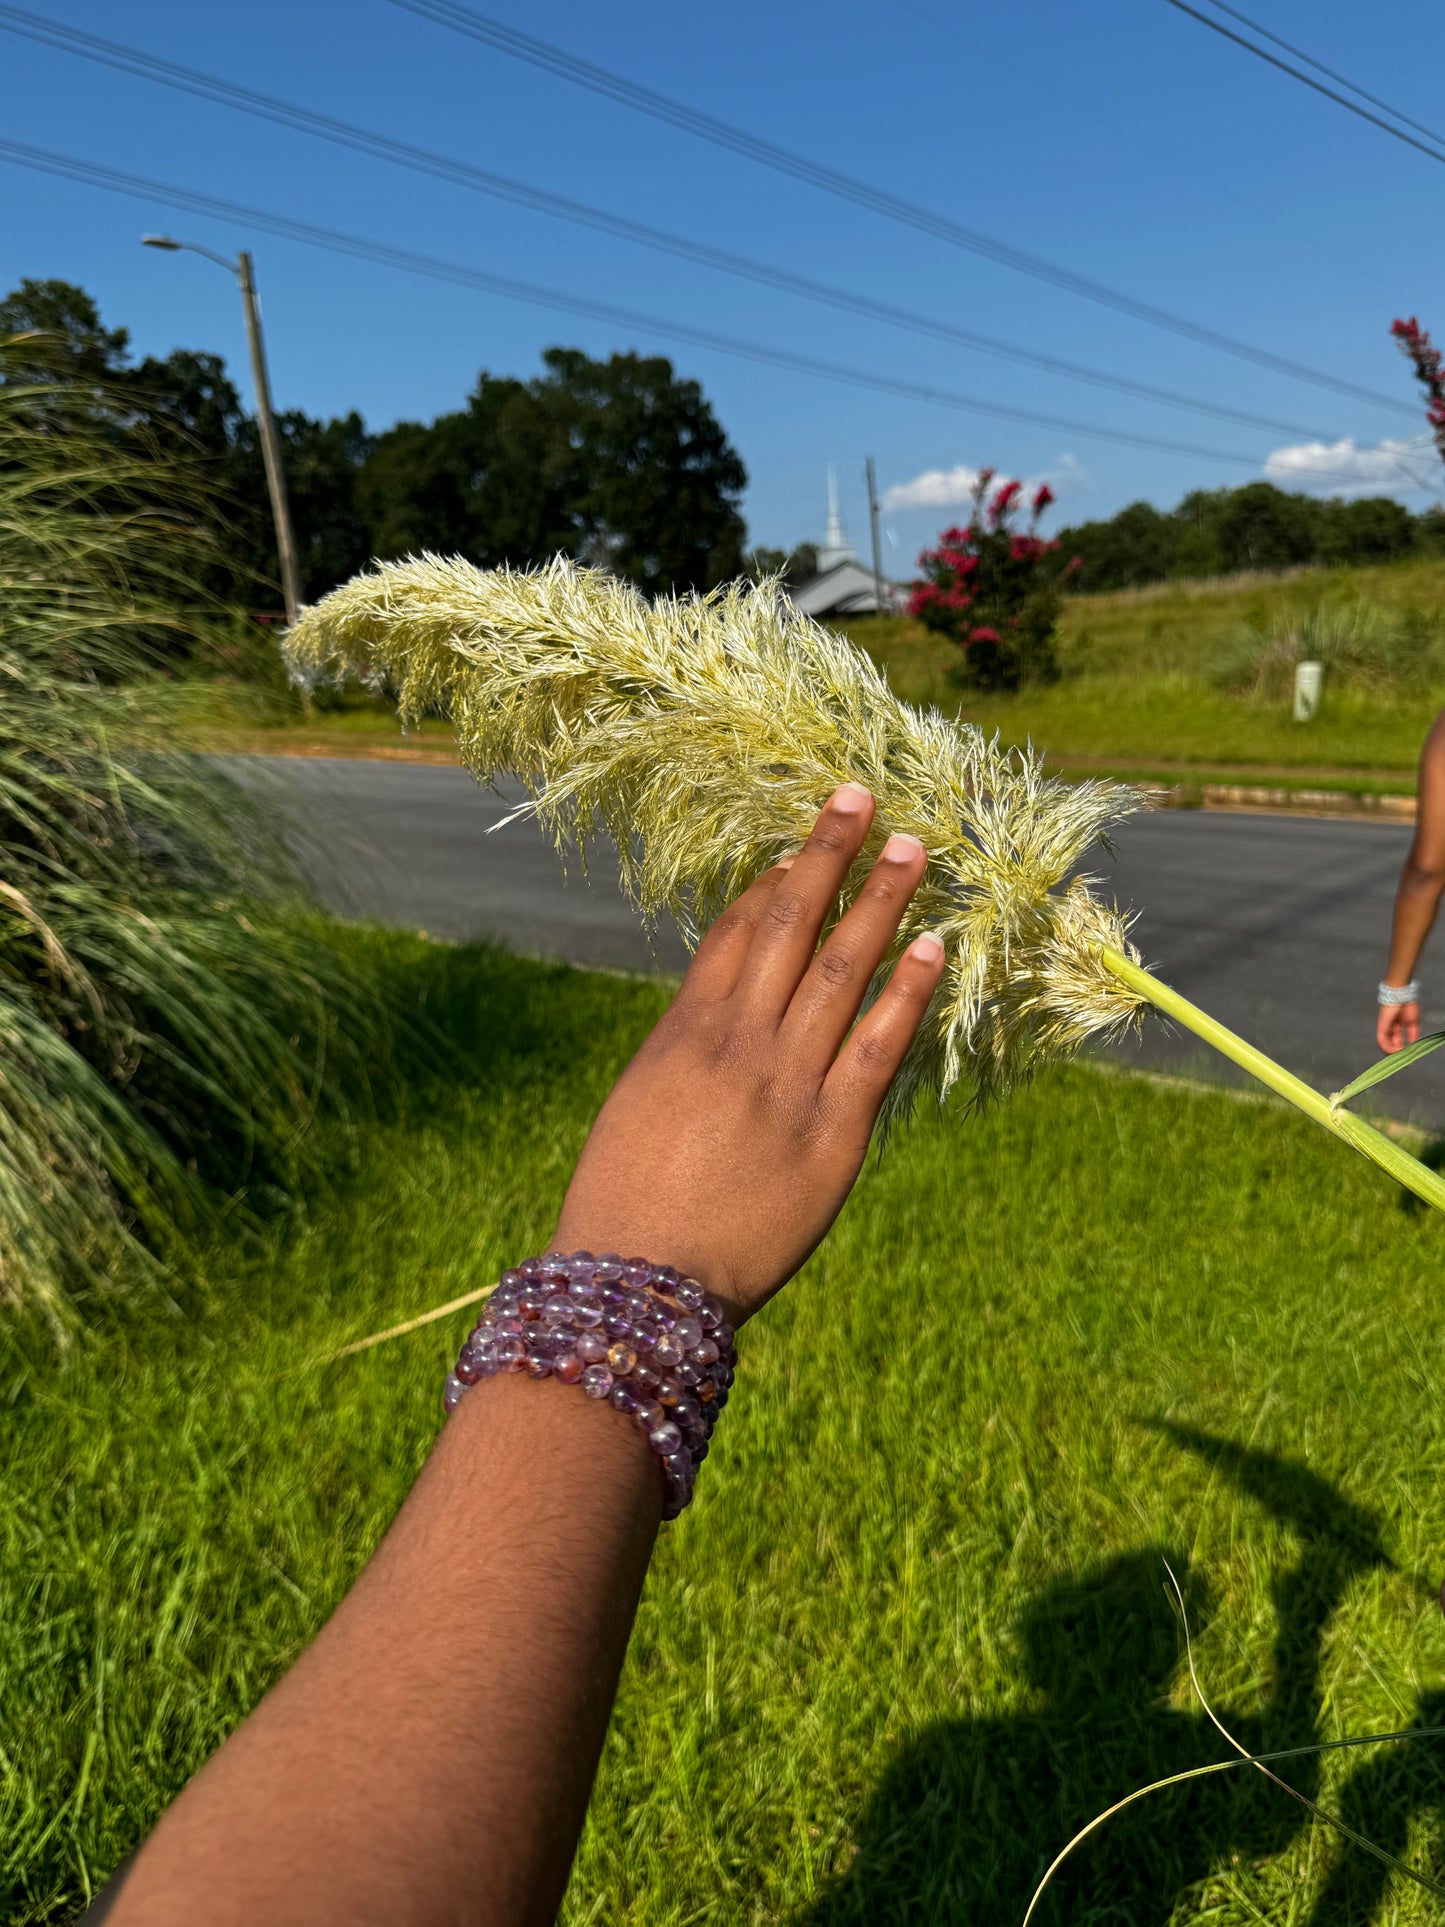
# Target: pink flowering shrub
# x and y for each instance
(994, 590)
(1425, 358)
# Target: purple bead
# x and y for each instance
(706, 1352)
(667, 1352)
(468, 1368)
(616, 1326)
(646, 1377)
(511, 1327)
(709, 1316)
(538, 1367)
(689, 1371)
(591, 1347)
(621, 1358)
(582, 1291)
(508, 1279)
(665, 1277)
(625, 1399)
(558, 1310)
(608, 1275)
(723, 1333)
(452, 1392)
(582, 1258)
(597, 1381)
(688, 1333)
(639, 1303)
(650, 1414)
(614, 1298)
(707, 1392)
(687, 1410)
(669, 1391)
(568, 1368)
(643, 1337)
(587, 1316)
(664, 1316)
(665, 1439)
(690, 1294)
(529, 1267)
(510, 1353)
(531, 1298)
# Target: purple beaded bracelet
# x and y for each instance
(641, 1335)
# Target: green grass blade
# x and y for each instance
(1387, 1066)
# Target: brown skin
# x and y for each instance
(1422, 884)
(428, 1760)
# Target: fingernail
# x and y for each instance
(785, 863)
(928, 948)
(901, 849)
(850, 798)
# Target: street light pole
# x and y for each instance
(270, 442)
(265, 415)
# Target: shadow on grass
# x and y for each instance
(1432, 1156)
(970, 1815)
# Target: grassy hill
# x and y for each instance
(1138, 687)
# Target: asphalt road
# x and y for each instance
(1276, 925)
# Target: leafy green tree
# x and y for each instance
(617, 463)
(77, 346)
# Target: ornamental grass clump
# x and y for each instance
(704, 733)
(159, 1024)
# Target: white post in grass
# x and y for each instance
(1308, 679)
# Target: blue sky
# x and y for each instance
(1120, 140)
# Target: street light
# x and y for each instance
(270, 440)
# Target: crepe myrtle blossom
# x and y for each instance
(992, 588)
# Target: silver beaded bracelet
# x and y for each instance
(1391, 994)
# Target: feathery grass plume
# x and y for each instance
(158, 1020)
(703, 734)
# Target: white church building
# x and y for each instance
(844, 586)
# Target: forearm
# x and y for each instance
(430, 1757)
(1417, 902)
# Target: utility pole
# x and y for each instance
(271, 443)
(265, 415)
(873, 527)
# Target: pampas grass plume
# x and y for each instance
(704, 733)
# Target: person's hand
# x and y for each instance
(730, 1142)
(1398, 1025)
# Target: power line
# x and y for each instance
(1329, 72)
(600, 80)
(336, 241)
(461, 173)
(1434, 152)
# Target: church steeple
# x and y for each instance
(836, 547)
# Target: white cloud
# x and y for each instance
(935, 488)
(946, 488)
(1340, 468)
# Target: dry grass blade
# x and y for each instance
(1263, 1762)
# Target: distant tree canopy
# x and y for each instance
(1221, 531)
(617, 462)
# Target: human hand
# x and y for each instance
(730, 1142)
(1398, 1025)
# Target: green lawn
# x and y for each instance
(913, 1633)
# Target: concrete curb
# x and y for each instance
(1287, 802)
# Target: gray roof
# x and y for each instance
(845, 590)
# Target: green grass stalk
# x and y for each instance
(1363, 1137)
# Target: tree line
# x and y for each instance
(617, 462)
(1222, 531)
